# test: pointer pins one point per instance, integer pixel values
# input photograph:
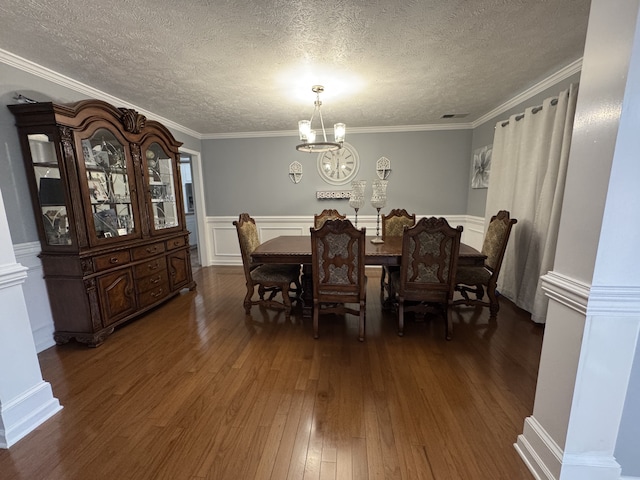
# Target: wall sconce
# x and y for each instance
(295, 172)
(383, 168)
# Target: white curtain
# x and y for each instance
(528, 172)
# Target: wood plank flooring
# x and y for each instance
(197, 390)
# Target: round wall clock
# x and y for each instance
(339, 167)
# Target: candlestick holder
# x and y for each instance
(378, 201)
(356, 198)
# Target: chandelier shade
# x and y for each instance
(308, 135)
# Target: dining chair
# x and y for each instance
(475, 280)
(337, 264)
(426, 279)
(326, 214)
(270, 278)
(393, 226)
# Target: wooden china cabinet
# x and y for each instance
(107, 196)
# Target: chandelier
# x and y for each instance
(308, 136)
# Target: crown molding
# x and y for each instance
(28, 66)
(91, 92)
(540, 87)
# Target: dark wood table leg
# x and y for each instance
(307, 291)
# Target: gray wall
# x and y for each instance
(429, 174)
(13, 182)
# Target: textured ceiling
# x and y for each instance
(223, 66)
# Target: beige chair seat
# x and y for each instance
(275, 273)
(473, 275)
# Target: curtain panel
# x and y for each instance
(528, 172)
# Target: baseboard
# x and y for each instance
(539, 451)
(24, 414)
(590, 466)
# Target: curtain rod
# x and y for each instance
(534, 110)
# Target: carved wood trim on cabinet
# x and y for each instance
(114, 238)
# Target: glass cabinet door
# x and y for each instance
(161, 184)
(105, 164)
(51, 191)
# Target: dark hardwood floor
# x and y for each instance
(198, 390)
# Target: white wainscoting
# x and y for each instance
(35, 294)
(223, 246)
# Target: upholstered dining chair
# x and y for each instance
(270, 278)
(326, 214)
(393, 226)
(474, 280)
(337, 264)
(426, 279)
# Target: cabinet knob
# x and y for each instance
(152, 249)
(156, 279)
(113, 260)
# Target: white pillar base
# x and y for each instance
(26, 413)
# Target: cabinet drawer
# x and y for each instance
(159, 279)
(110, 260)
(139, 253)
(150, 267)
(152, 296)
(176, 243)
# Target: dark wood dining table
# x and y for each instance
(296, 249)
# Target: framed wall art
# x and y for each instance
(481, 167)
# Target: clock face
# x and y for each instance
(339, 167)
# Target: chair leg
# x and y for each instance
(247, 298)
(449, 323)
(363, 314)
(316, 313)
(401, 316)
(494, 304)
(382, 275)
(287, 301)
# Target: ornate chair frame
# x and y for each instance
(338, 270)
(327, 214)
(393, 225)
(427, 271)
(474, 280)
(270, 278)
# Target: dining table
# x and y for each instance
(296, 249)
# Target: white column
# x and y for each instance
(25, 399)
(594, 310)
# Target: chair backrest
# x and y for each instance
(337, 262)
(248, 239)
(393, 224)
(496, 238)
(326, 214)
(429, 260)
